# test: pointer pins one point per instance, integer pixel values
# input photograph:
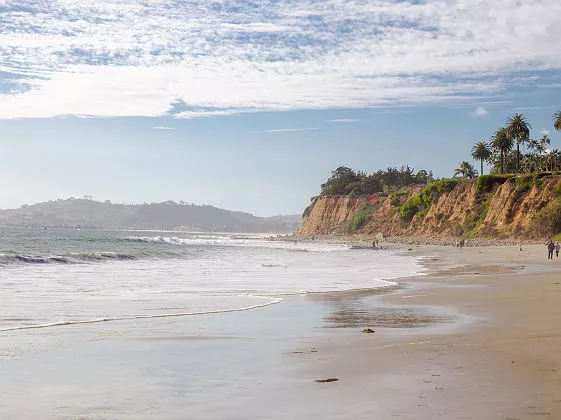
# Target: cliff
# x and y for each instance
(504, 207)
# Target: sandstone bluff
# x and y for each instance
(492, 206)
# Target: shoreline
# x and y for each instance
(395, 241)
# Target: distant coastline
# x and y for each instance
(86, 213)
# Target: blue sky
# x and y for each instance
(250, 105)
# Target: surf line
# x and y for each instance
(274, 301)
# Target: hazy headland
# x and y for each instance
(168, 215)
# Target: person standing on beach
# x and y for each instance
(557, 248)
(550, 248)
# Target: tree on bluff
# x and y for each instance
(345, 181)
(341, 181)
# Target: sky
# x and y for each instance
(249, 105)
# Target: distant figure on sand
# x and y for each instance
(550, 248)
(462, 243)
(557, 248)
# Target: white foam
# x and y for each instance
(243, 241)
(218, 279)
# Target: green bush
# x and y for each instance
(359, 219)
(548, 220)
(486, 183)
(422, 202)
(396, 197)
(558, 189)
(410, 208)
(473, 222)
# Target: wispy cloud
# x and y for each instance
(545, 132)
(129, 58)
(343, 120)
(162, 127)
(289, 130)
(480, 111)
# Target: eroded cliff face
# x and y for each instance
(509, 210)
(330, 214)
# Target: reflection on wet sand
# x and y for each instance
(387, 317)
(363, 308)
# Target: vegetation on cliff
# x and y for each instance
(421, 203)
(346, 181)
(491, 206)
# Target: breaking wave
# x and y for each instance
(242, 241)
(72, 258)
(159, 240)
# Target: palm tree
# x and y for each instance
(466, 170)
(557, 120)
(552, 158)
(481, 152)
(518, 129)
(502, 142)
(541, 149)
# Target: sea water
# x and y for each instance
(54, 277)
(98, 324)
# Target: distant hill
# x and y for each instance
(168, 215)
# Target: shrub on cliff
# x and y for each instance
(421, 203)
(359, 219)
(486, 183)
(548, 220)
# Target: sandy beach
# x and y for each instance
(498, 359)
(476, 337)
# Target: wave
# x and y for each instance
(272, 301)
(159, 240)
(72, 258)
(242, 241)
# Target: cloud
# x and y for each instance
(131, 58)
(343, 120)
(289, 130)
(480, 111)
(545, 132)
(162, 128)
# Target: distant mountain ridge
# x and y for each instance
(168, 215)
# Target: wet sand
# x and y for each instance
(496, 356)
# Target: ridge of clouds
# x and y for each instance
(124, 58)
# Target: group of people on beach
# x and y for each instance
(552, 247)
(460, 244)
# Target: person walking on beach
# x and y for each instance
(550, 248)
(557, 248)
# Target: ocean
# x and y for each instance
(54, 277)
(98, 324)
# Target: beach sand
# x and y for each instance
(477, 337)
(499, 359)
